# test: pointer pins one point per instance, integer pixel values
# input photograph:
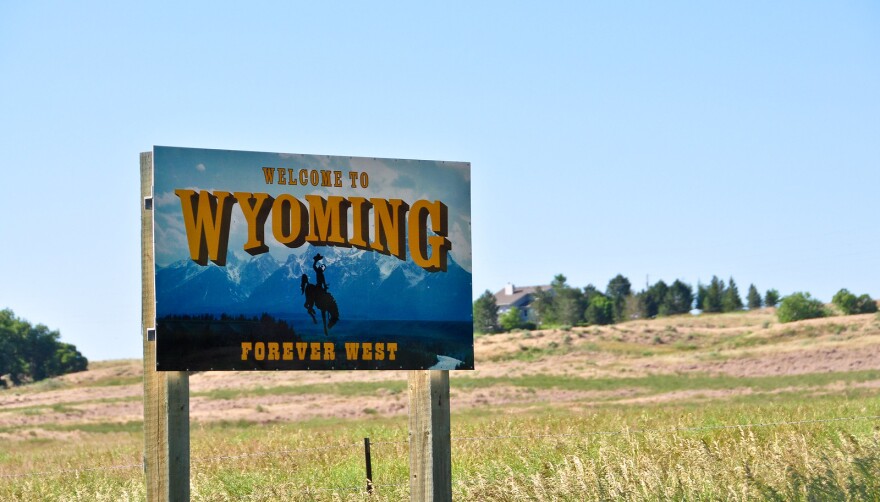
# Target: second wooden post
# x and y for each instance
(430, 450)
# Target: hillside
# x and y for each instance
(681, 359)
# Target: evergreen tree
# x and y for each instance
(653, 298)
(544, 304)
(559, 282)
(618, 287)
(570, 307)
(617, 290)
(754, 298)
(714, 295)
(731, 301)
(771, 298)
(633, 307)
(678, 299)
(636, 306)
(486, 313)
(701, 295)
(569, 302)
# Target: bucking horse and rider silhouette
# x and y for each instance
(318, 296)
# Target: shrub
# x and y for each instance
(34, 352)
(511, 320)
(799, 306)
(850, 304)
(845, 301)
(869, 306)
(866, 305)
(600, 310)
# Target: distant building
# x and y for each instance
(519, 297)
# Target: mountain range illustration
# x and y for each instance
(366, 285)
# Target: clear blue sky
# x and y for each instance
(661, 139)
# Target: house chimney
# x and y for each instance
(508, 290)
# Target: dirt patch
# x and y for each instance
(781, 362)
(10, 400)
(293, 408)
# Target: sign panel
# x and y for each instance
(272, 261)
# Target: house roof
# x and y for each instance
(519, 293)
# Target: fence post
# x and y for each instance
(430, 451)
(177, 435)
(369, 465)
(166, 394)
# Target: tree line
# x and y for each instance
(30, 353)
(563, 305)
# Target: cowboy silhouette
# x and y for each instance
(319, 272)
(318, 296)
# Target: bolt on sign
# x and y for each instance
(274, 261)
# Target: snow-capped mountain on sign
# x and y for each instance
(365, 284)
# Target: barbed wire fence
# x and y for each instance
(371, 484)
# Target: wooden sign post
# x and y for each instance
(166, 394)
(430, 451)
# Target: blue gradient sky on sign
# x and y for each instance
(659, 140)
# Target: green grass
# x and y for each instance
(662, 383)
(66, 407)
(116, 381)
(41, 386)
(132, 427)
(337, 388)
(63, 408)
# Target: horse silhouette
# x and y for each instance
(318, 297)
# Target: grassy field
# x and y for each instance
(725, 407)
